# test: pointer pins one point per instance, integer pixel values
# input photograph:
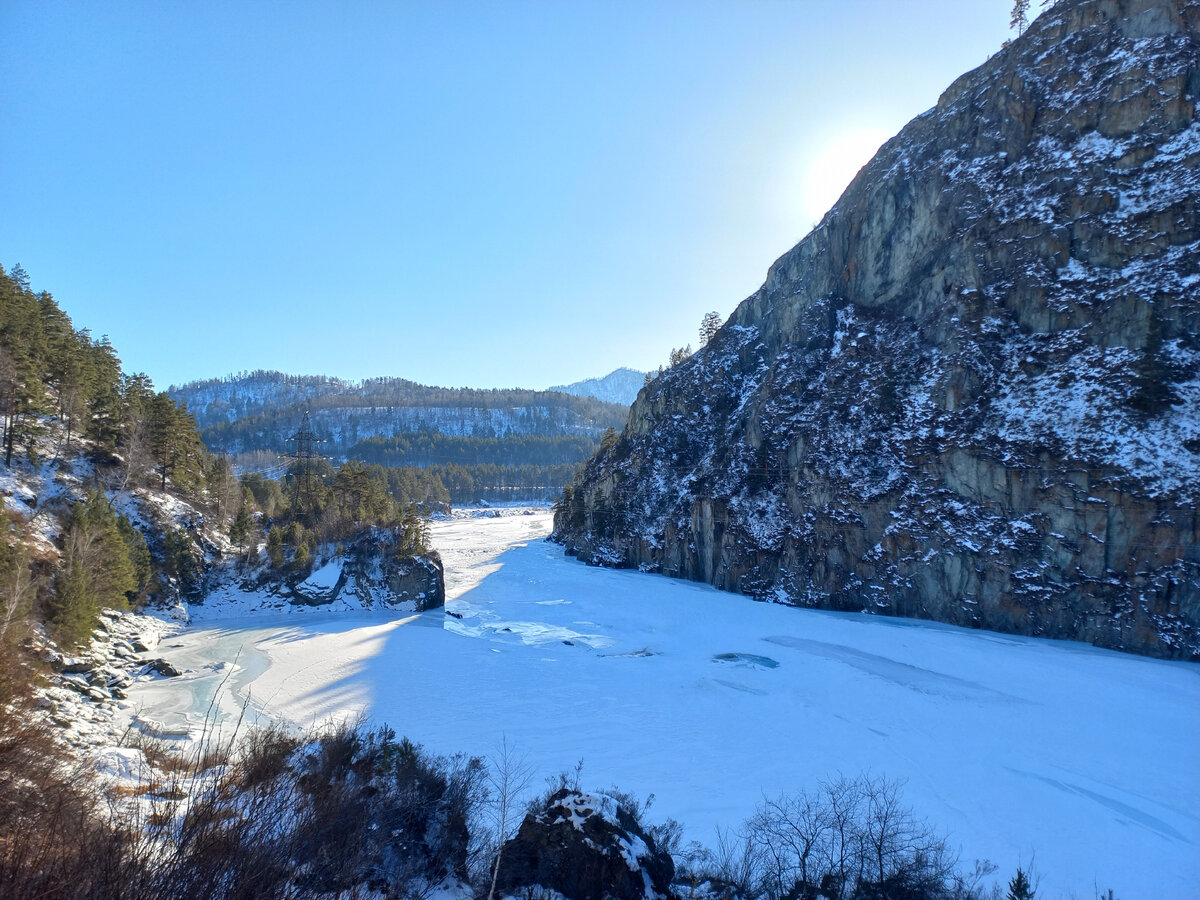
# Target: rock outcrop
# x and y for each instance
(972, 393)
(585, 847)
(369, 571)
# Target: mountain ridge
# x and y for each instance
(258, 411)
(618, 386)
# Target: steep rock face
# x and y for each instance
(972, 393)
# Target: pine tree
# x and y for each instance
(275, 547)
(96, 571)
(23, 342)
(1019, 888)
(105, 405)
(1020, 16)
(679, 354)
(709, 326)
(139, 553)
(180, 561)
(174, 443)
(243, 523)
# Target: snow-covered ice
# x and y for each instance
(1081, 760)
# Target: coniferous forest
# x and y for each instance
(481, 445)
(64, 395)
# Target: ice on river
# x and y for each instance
(1080, 760)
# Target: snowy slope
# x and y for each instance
(1017, 747)
(619, 386)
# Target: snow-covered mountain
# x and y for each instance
(972, 393)
(619, 386)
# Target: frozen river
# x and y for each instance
(1083, 761)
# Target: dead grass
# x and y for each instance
(166, 758)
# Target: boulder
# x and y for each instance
(585, 847)
(162, 667)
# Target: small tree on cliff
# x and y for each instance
(1020, 16)
(709, 326)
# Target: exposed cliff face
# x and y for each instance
(972, 393)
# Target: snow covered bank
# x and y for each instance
(1015, 746)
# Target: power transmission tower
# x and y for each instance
(304, 460)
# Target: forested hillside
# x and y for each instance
(80, 438)
(238, 396)
(259, 410)
(113, 501)
(480, 445)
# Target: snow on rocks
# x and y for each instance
(86, 694)
(587, 847)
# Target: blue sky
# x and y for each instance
(461, 193)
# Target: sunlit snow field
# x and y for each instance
(1083, 762)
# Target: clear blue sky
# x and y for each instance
(461, 193)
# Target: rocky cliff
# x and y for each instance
(369, 571)
(972, 393)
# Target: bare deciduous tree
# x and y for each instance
(510, 775)
(16, 589)
(852, 838)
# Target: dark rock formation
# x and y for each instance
(161, 667)
(373, 573)
(368, 571)
(586, 847)
(972, 393)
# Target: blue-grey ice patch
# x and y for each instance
(753, 660)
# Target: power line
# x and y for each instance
(304, 461)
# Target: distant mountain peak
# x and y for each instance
(618, 386)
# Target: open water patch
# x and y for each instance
(753, 660)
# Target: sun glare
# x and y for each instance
(830, 168)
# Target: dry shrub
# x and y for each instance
(52, 842)
(346, 812)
